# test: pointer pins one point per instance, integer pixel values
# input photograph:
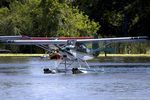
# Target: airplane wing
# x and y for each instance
(65, 42)
(35, 42)
(3, 38)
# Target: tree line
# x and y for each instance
(118, 18)
(107, 18)
(45, 18)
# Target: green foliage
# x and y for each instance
(131, 48)
(77, 18)
(16, 19)
(45, 18)
(63, 20)
(119, 17)
(148, 51)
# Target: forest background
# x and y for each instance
(66, 18)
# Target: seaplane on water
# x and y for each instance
(72, 50)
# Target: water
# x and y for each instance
(22, 78)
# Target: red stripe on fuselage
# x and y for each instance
(40, 38)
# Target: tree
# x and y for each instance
(64, 20)
(118, 18)
(46, 18)
(5, 3)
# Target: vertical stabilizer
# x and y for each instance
(95, 46)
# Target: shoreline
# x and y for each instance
(101, 55)
(125, 55)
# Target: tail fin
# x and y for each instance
(95, 46)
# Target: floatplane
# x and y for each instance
(72, 50)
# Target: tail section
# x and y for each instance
(95, 46)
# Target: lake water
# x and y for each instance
(22, 78)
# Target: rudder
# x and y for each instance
(95, 46)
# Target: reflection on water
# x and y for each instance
(22, 78)
(6, 60)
